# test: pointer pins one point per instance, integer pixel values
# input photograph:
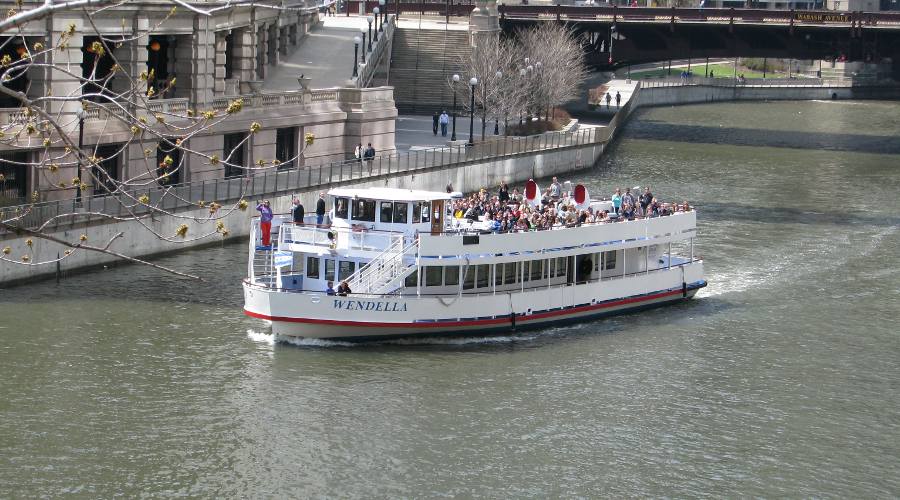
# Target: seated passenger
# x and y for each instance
(343, 289)
(330, 290)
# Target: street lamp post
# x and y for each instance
(383, 11)
(80, 114)
(455, 81)
(363, 51)
(472, 83)
(370, 19)
(537, 67)
(377, 13)
(529, 70)
(499, 75)
(522, 74)
(356, 41)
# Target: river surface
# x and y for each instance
(781, 379)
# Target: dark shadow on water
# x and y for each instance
(731, 212)
(731, 136)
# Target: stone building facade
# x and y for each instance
(195, 63)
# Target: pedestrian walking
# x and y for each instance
(358, 153)
(444, 119)
(435, 121)
(369, 156)
(608, 99)
(618, 99)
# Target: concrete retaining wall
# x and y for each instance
(698, 94)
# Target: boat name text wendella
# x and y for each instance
(369, 305)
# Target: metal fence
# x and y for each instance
(730, 82)
(66, 213)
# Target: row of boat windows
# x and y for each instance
(509, 273)
(396, 212)
(476, 276)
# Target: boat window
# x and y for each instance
(597, 257)
(421, 211)
(536, 269)
(340, 207)
(345, 269)
(433, 275)
(609, 260)
(329, 269)
(400, 213)
(364, 210)
(312, 267)
(498, 275)
(412, 280)
(510, 273)
(484, 273)
(526, 268)
(387, 210)
(451, 275)
(560, 266)
(469, 281)
(552, 268)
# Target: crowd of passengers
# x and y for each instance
(509, 211)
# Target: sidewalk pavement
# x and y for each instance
(325, 56)
(624, 87)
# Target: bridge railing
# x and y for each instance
(62, 214)
(607, 14)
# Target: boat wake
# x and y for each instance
(260, 337)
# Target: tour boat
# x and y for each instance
(415, 270)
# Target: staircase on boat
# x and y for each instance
(385, 273)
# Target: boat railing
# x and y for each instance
(384, 269)
(335, 238)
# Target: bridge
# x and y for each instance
(616, 37)
(621, 36)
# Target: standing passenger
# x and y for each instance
(265, 222)
(320, 208)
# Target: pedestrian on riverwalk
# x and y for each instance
(444, 119)
(435, 121)
(618, 99)
(369, 156)
(320, 208)
(358, 153)
(608, 99)
(265, 222)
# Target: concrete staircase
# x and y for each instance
(421, 65)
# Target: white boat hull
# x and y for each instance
(315, 315)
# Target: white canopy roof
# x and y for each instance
(389, 194)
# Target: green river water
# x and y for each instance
(782, 378)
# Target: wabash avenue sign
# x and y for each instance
(819, 17)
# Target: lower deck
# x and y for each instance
(317, 315)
